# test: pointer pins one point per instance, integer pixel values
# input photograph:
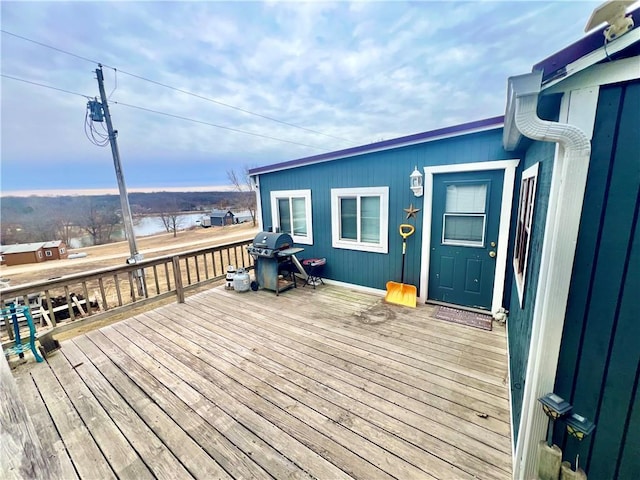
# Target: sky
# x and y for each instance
(286, 80)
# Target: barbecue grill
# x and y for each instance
(272, 253)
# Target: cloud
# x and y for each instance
(357, 71)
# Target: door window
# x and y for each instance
(465, 216)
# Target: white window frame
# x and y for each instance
(521, 277)
(39, 253)
(62, 251)
(462, 243)
(48, 253)
(337, 242)
(289, 194)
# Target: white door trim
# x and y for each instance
(509, 167)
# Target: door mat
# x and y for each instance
(463, 317)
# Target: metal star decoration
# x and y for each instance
(411, 211)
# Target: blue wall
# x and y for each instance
(599, 364)
(387, 168)
(520, 319)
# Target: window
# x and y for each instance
(360, 218)
(39, 253)
(465, 216)
(291, 213)
(523, 228)
(61, 250)
(48, 253)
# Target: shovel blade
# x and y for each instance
(401, 294)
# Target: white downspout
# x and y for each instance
(255, 180)
(558, 251)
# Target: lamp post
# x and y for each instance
(554, 407)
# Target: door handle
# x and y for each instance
(492, 254)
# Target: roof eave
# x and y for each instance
(511, 137)
(423, 137)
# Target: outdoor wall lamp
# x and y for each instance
(578, 426)
(416, 182)
(554, 407)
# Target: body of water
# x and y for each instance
(152, 225)
(142, 227)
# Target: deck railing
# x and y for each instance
(57, 303)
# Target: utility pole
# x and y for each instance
(124, 198)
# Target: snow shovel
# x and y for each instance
(399, 293)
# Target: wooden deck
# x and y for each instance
(326, 384)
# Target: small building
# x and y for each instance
(220, 218)
(35, 252)
(55, 250)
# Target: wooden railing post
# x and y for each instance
(177, 278)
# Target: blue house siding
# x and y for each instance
(520, 319)
(385, 168)
(599, 362)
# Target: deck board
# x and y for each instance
(324, 383)
(87, 457)
(51, 442)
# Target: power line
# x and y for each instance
(168, 114)
(186, 92)
(49, 46)
(217, 126)
(43, 85)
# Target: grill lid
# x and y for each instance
(273, 240)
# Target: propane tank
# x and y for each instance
(241, 281)
(231, 271)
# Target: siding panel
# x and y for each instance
(520, 319)
(599, 357)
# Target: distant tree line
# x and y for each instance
(39, 219)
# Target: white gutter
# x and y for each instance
(568, 184)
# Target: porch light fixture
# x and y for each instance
(416, 182)
(578, 426)
(554, 407)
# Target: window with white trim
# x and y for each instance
(526, 205)
(360, 218)
(62, 250)
(48, 253)
(291, 213)
(39, 253)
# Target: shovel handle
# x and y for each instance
(406, 230)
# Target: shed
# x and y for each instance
(34, 252)
(22, 253)
(220, 218)
(55, 250)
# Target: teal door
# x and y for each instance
(464, 236)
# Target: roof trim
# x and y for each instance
(563, 71)
(423, 137)
(555, 66)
